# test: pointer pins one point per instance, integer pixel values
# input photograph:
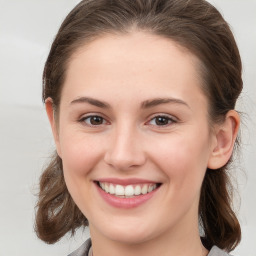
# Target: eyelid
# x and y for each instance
(86, 116)
(167, 116)
(172, 118)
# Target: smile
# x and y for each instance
(127, 191)
(126, 194)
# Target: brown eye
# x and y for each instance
(96, 120)
(161, 121)
(93, 120)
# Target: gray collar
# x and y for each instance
(84, 250)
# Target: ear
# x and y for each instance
(224, 140)
(53, 122)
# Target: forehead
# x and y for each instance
(138, 63)
(130, 48)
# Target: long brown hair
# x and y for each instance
(195, 25)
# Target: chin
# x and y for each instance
(128, 233)
(131, 237)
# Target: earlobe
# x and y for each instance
(53, 122)
(224, 140)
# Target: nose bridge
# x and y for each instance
(125, 149)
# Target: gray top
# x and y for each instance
(215, 251)
(83, 250)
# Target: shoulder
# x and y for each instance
(216, 251)
(83, 250)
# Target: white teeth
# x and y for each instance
(111, 189)
(137, 190)
(129, 190)
(119, 190)
(105, 187)
(150, 188)
(144, 189)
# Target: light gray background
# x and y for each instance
(27, 28)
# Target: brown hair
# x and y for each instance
(193, 24)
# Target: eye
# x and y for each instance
(161, 120)
(93, 120)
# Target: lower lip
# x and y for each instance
(125, 203)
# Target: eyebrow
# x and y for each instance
(159, 101)
(92, 101)
(145, 104)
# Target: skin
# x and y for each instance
(126, 72)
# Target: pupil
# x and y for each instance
(161, 121)
(96, 120)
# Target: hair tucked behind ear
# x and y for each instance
(195, 25)
(57, 213)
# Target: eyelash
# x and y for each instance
(83, 120)
(167, 118)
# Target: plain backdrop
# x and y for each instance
(27, 28)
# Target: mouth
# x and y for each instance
(127, 191)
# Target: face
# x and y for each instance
(134, 137)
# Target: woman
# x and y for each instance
(140, 96)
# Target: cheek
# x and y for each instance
(183, 159)
(80, 153)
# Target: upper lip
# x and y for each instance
(129, 181)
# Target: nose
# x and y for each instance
(125, 150)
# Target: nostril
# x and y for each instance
(125, 151)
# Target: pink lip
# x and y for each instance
(125, 203)
(126, 181)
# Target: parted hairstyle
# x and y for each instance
(198, 27)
